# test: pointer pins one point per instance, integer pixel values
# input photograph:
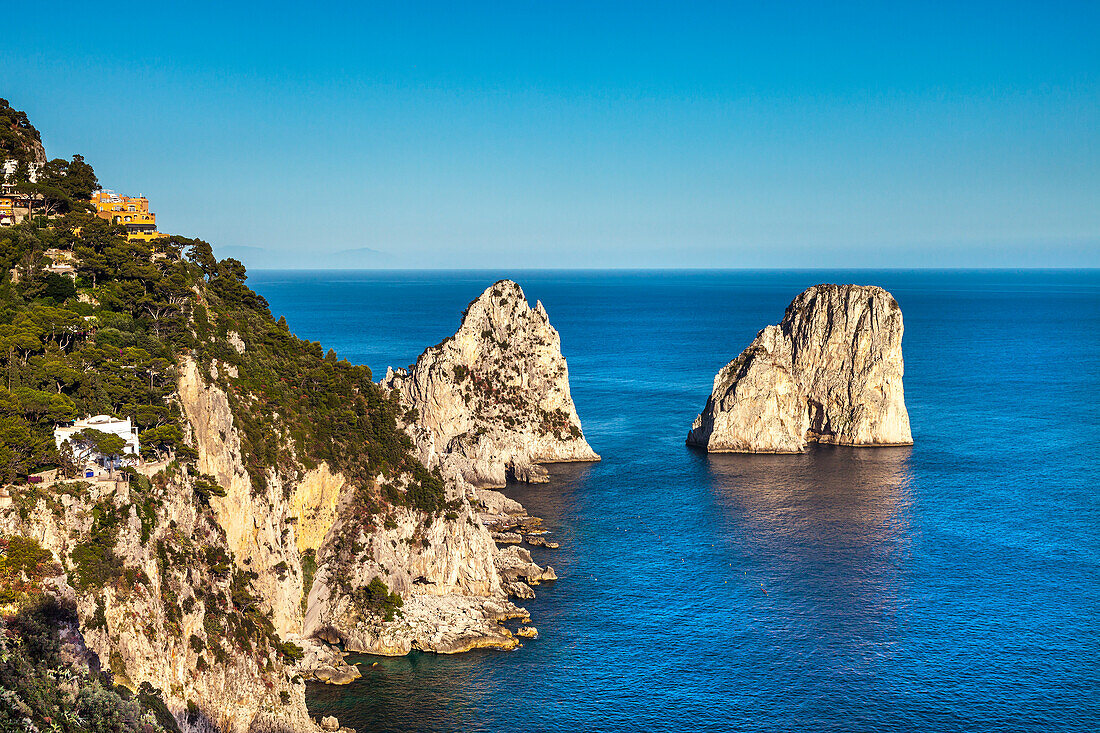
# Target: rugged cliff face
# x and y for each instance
(452, 598)
(159, 601)
(285, 503)
(830, 372)
(254, 518)
(279, 505)
(443, 568)
(493, 400)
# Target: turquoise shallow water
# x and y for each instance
(948, 586)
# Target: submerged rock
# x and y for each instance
(493, 400)
(830, 372)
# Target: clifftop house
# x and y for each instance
(131, 212)
(105, 424)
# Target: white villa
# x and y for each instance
(105, 424)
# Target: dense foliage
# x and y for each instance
(24, 564)
(113, 340)
(18, 137)
(105, 343)
(377, 598)
(41, 690)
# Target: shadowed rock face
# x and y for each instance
(493, 400)
(830, 372)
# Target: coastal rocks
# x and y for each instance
(519, 589)
(324, 663)
(493, 401)
(168, 608)
(442, 624)
(830, 372)
(497, 503)
(452, 596)
(331, 724)
(515, 563)
(527, 632)
(527, 473)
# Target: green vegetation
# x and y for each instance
(108, 445)
(207, 486)
(42, 691)
(377, 599)
(95, 563)
(87, 349)
(18, 137)
(24, 564)
(309, 569)
(113, 340)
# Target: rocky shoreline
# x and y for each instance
(486, 406)
(448, 624)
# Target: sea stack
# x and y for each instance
(830, 372)
(493, 401)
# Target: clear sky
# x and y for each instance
(560, 134)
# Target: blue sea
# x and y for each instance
(951, 586)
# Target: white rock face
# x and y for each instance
(830, 372)
(138, 641)
(255, 522)
(445, 572)
(493, 400)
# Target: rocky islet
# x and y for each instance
(830, 372)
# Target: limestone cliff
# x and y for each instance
(830, 372)
(254, 518)
(493, 400)
(170, 604)
(452, 598)
(223, 580)
(444, 570)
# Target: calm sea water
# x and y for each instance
(949, 586)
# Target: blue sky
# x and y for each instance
(556, 134)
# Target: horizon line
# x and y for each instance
(677, 269)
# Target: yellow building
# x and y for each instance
(131, 212)
(7, 211)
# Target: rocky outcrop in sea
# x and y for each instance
(200, 560)
(492, 402)
(830, 372)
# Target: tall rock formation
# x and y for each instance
(493, 400)
(445, 570)
(830, 372)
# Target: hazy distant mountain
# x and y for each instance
(304, 259)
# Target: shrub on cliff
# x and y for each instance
(24, 564)
(376, 598)
(32, 664)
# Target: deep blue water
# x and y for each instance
(949, 586)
